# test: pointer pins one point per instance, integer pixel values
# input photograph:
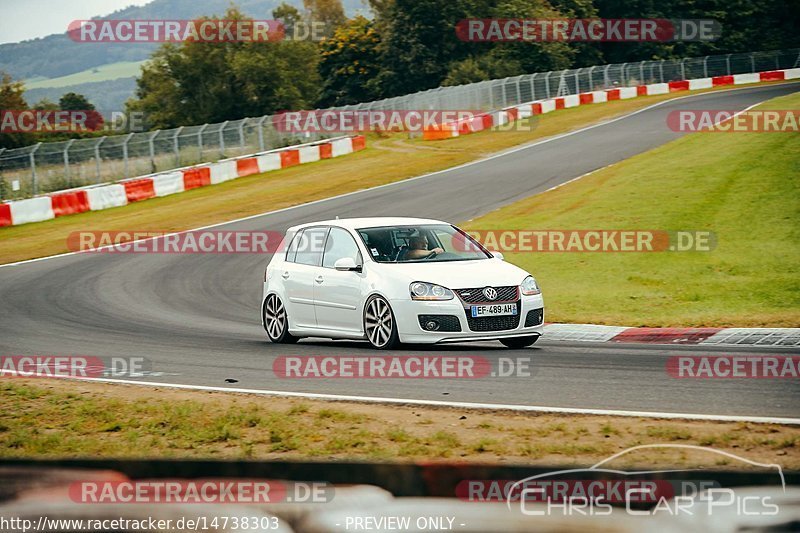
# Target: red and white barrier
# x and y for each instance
(168, 183)
(522, 111)
(98, 197)
(106, 196)
(31, 210)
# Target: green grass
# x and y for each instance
(745, 187)
(111, 71)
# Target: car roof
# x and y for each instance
(369, 222)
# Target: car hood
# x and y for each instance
(459, 274)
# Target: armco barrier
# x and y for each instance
(98, 197)
(510, 114)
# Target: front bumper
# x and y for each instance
(407, 312)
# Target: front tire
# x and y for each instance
(380, 327)
(517, 343)
(276, 321)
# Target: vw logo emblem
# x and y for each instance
(490, 293)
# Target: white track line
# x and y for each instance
(439, 403)
(407, 180)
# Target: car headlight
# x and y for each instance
(530, 287)
(421, 290)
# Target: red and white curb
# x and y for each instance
(705, 336)
(538, 107)
(105, 196)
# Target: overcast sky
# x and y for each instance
(28, 19)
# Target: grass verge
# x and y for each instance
(385, 160)
(744, 187)
(58, 418)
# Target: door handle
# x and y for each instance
(318, 279)
(285, 275)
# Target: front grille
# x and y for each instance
(493, 323)
(446, 322)
(534, 317)
(474, 296)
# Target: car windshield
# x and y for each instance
(421, 243)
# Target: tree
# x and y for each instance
(200, 82)
(12, 99)
(289, 16)
(329, 12)
(419, 43)
(350, 62)
(74, 102)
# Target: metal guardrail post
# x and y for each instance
(261, 132)
(66, 162)
(125, 154)
(177, 149)
(151, 145)
(97, 159)
(241, 132)
(34, 178)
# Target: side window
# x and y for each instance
(310, 245)
(292, 250)
(340, 244)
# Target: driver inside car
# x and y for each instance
(418, 248)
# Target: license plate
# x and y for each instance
(493, 310)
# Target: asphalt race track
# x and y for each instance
(196, 317)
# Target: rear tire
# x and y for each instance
(276, 321)
(380, 327)
(517, 343)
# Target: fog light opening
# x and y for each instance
(431, 325)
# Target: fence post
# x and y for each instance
(705, 67)
(125, 153)
(591, 78)
(150, 140)
(661, 71)
(200, 141)
(97, 159)
(728, 64)
(577, 82)
(241, 133)
(34, 180)
(533, 87)
(261, 132)
(222, 139)
(66, 162)
(752, 62)
(175, 144)
(519, 90)
(683, 69)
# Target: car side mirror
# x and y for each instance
(346, 264)
(497, 255)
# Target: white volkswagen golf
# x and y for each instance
(393, 280)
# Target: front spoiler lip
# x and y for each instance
(495, 337)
